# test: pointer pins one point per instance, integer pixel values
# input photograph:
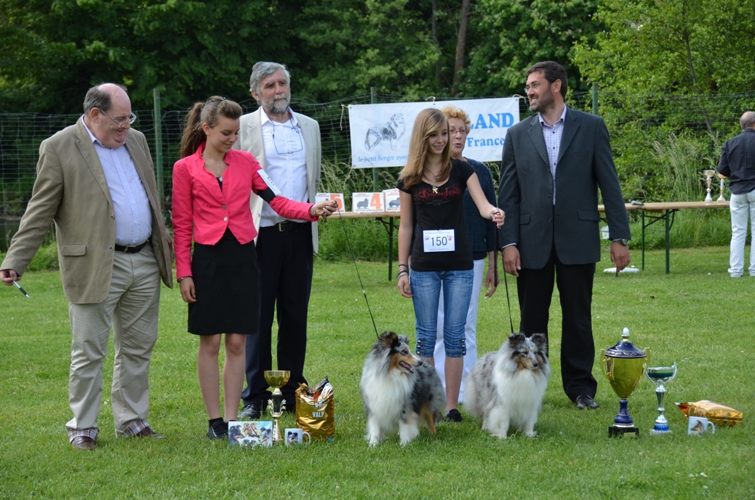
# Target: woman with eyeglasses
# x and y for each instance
(211, 189)
(432, 233)
(481, 234)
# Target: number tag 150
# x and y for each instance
(441, 240)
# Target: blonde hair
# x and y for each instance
(458, 113)
(429, 121)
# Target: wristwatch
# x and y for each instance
(623, 241)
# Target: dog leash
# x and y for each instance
(356, 268)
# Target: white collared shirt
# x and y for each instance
(552, 136)
(133, 217)
(286, 162)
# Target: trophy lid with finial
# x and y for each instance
(624, 348)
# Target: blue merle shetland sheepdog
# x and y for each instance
(506, 387)
(399, 390)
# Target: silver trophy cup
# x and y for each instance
(661, 375)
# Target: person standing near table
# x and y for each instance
(481, 235)
(738, 164)
(96, 180)
(287, 146)
(553, 164)
(212, 184)
(432, 186)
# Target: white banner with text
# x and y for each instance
(380, 133)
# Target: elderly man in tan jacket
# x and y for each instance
(95, 180)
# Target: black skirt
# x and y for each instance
(226, 282)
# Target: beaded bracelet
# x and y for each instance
(402, 273)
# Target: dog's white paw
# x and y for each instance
(407, 433)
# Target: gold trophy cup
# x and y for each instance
(277, 405)
(624, 365)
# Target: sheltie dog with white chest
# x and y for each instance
(506, 387)
(399, 390)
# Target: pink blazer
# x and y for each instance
(202, 208)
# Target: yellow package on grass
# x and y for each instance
(315, 410)
(721, 415)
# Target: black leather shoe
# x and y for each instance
(584, 401)
(251, 411)
(83, 443)
(148, 432)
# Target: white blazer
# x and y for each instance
(250, 139)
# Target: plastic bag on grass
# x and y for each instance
(315, 410)
(721, 415)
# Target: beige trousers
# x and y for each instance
(131, 308)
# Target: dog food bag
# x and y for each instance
(315, 410)
(721, 415)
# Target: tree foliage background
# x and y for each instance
(52, 51)
(674, 75)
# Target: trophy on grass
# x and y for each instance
(708, 181)
(277, 405)
(660, 375)
(624, 365)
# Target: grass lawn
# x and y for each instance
(697, 316)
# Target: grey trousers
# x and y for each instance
(131, 309)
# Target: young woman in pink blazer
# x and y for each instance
(212, 184)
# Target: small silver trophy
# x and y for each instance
(708, 181)
(660, 375)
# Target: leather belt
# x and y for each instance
(130, 249)
(286, 225)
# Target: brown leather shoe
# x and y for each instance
(148, 432)
(584, 401)
(83, 443)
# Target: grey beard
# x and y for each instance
(279, 107)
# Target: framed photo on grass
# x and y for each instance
(250, 433)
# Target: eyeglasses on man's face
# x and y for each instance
(534, 86)
(123, 121)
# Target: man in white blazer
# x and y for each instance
(287, 146)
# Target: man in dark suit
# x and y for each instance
(96, 181)
(287, 145)
(553, 164)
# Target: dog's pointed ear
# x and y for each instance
(515, 339)
(540, 341)
(389, 339)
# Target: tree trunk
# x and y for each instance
(438, 67)
(461, 43)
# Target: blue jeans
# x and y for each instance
(457, 292)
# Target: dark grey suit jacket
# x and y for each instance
(585, 163)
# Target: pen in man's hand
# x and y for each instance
(21, 289)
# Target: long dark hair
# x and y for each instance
(205, 112)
